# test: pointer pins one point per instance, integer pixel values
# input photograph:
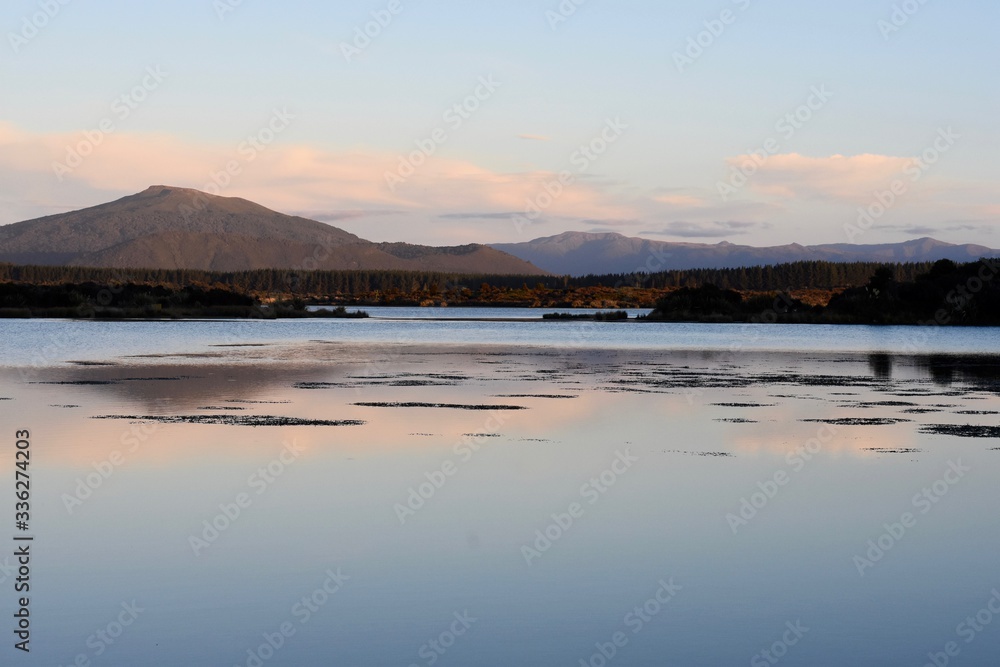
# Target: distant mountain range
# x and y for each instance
(580, 253)
(176, 228)
(166, 227)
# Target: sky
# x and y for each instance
(758, 122)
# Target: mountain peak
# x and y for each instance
(166, 190)
(167, 227)
(588, 235)
(929, 241)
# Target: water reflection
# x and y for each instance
(476, 487)
(881, 365)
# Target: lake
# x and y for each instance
(406, 490)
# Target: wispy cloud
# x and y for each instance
(478, 216)
(681, 201)
(533, 137)
(931, 230)
(611, 223)
(337, 216)
(287, 177)
(707, 230)
(849, 178)
(457, 199)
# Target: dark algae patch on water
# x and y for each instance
(859, 421)
(236, 420)
(554, 396)
(961, 431)
(744, 405)
(448, 406)
(79, 383)
(399, 380)
(882, 404)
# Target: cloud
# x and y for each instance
(707, 230)
(479, 216)
(453, 200)
(533, 137)
(922, 229)
(850, 178)
(10, 134)
(611, 223)
(684, 201)
(283, 177)
(931, 230)
(337, 216)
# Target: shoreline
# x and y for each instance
(530, 320)
(316, 353)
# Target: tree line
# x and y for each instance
(946, 294)
(943, 293)
(279, 282)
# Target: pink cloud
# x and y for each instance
(681, 201)
(850, 178)
(288, 177)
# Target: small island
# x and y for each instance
(947, 294)
(132, 301)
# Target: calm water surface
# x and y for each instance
(698, 489)
(44, 342)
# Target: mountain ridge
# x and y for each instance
(584, 253)
(165, 227)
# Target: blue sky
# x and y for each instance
(349, 126)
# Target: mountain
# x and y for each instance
(580, 253)
(176, 228)
(165, 227)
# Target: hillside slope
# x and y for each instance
(176, 228)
